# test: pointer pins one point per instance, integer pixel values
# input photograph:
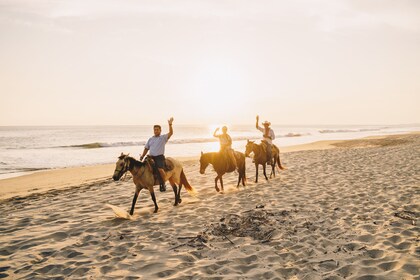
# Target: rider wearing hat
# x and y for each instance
(268, 137)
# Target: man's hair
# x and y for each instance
(157, 126)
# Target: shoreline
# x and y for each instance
(63, 178)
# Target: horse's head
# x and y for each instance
(203, 163)
(249, 147)
(121, 167)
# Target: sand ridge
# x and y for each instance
(347, 213)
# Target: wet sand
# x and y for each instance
(347, 212)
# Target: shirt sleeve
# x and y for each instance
(147, 146)
(261, 129)
(273, 136)
(166, 137)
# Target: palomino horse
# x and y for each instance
(260, 157)
(143, 178)
(222, 165)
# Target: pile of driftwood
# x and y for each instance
(257, 223)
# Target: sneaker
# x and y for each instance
(162, 188)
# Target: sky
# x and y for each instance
(293, 62)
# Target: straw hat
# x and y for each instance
(266, 123)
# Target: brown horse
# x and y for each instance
(222, 165)
(260, 157)
(144, 178)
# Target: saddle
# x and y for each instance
(151, 163)
(227, 159)
(264, 145)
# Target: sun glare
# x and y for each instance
(217, 89)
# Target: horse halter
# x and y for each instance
(123, 169)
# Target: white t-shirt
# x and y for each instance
(156, 145)
(270, 133)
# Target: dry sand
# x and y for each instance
(348, 212)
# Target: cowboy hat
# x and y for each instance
(266, 123)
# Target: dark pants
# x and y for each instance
(159, 163)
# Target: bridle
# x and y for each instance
(122, 170)
(125, 168)
(252, 144)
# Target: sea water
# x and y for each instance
(31, 148)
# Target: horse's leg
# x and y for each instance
(136, 195)
(179, 193)
(243, 177)
(256, 172)
(221, 183)
(239, 178)
(264, 171)
(215, 183)
(175, 189)
(273, 169)
(152, 193)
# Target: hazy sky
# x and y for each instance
(74, 62)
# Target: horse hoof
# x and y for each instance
(179, 201)
(217, 189)
(155, 211)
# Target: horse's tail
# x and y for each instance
(281, 167)
(185, 183)
(277, 159)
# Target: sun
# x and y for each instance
(218, 89)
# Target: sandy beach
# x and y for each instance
(341, 210)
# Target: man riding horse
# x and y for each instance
(156, 148)
(268, 137)
(226, 146)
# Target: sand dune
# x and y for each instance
(349, 212)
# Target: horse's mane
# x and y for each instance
(133, 161)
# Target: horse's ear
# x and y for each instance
(247, 140)
(202, 153)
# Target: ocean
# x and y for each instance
(26, 149)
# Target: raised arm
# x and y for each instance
(256, 123)
(214, 133)
(171, 131)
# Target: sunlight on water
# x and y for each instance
(28, 149)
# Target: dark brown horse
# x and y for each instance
(260, 157)
(222, 165)
(143, 178)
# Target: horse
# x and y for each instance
(260, 157)
(144, 178)
(222, 165)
